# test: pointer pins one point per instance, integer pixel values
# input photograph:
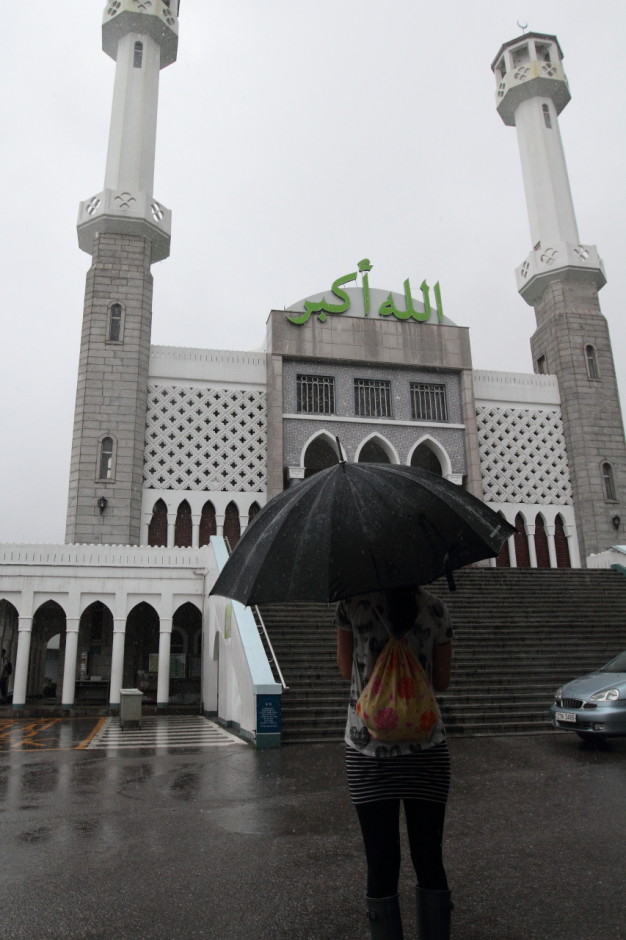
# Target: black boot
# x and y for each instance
(384, 917)
(433, 914)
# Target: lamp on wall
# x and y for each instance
(616, 522)
(102, 504)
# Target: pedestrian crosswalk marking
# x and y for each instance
(162, 731)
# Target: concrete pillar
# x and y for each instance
(69, 670)
(210, 663)
(171, 526)
(550, 529)
(532, 549)
(20, 681)
(195, 532)
(163, 681)
(512, 552)
(117, 661)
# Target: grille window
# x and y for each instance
(372, 398)
(316, 394)
(428, 402)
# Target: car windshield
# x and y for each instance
(617, 664)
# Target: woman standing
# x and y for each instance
(382, 776)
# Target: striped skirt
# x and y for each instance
(421, 776)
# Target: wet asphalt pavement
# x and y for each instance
(234, 843)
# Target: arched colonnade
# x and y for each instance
(320, 451)
(544, 539)
(89, 657)
(174, 522)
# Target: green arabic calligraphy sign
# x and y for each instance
(388, 308)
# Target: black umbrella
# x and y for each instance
(355, 528)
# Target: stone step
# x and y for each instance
(519, 634)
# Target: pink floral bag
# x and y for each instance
(398, 702)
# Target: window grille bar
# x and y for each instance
(315, 394)
(428, 402)
(372, 398)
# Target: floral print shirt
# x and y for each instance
(366, 616)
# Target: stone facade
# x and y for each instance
(111, 395)
(569, 321)
(403, 352)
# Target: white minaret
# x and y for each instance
(561, 278)
(532, 91)
(125, 230)
(142, 37)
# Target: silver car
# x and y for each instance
(594, 706)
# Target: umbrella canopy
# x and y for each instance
(354, 528)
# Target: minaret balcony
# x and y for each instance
(560, 262)
(125, 213)
(528, 80)
(154, 18)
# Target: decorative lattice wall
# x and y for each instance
(522, 455)
(205, 439)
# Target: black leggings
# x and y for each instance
(380, 825)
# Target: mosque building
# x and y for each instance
(175, 449)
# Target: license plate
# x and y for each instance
(565, 716)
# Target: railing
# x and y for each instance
(263, 632)
(272, 658)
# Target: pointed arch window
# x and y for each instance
(138, 55)
(208, 523)
(520, 540)
(561, 545)
(547, 120)
(157, 530)
(591, 361)
(608, 481)
(105, 466)
(183, 526)
(114, 331)
(232, 526)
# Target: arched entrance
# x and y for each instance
(141, 651)
(48, 622)
(373, 451)
(93, 661)
(319, 454)
(9, 620)
(425, 458)
(185, 655)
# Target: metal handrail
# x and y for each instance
(270, 647)
(263, 629)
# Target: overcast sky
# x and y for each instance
(294, 139)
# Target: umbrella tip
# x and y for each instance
(342, 460)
